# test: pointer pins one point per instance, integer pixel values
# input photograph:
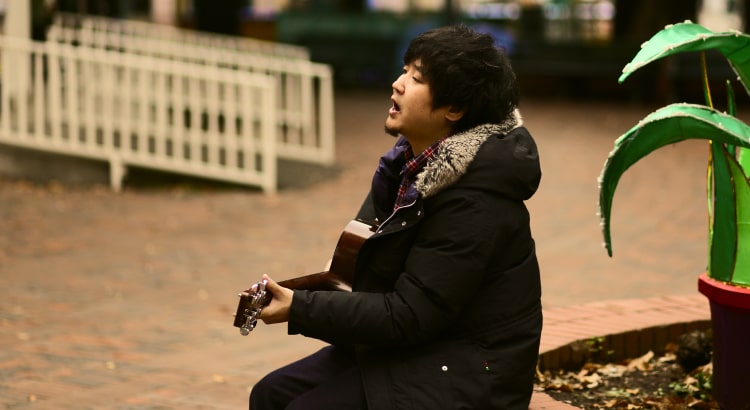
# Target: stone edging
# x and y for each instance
(628, 328)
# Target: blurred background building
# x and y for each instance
(560, 47)
(225, 89)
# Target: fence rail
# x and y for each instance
(141, 110)
(72, 24)
(304, 89)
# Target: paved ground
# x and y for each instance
(125, 301)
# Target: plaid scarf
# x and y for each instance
(411, 169)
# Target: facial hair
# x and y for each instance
(391, 131)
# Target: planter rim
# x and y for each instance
(720, 292)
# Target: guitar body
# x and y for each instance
(339, 276)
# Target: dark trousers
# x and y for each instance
(327, 379)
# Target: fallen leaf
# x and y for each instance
(641, 363)
(668, 358)
(612, 370)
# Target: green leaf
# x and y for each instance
(686, 37)
(722, 245)
(740, 273)
(668, 125)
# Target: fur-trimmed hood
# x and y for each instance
(504, 159)
(500, 158)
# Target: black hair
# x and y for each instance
(465, 69)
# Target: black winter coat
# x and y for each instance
(446, 310)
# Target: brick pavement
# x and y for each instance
(124, 301)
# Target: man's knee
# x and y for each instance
(261, 394)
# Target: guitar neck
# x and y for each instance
(315, 281)
(318, 281)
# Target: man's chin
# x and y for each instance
(391, 131)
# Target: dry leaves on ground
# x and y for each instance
(646, 382)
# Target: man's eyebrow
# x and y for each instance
(418, 67)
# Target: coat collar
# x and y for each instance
(456, 153)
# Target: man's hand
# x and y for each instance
(278, 310)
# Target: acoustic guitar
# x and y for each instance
(339, 276)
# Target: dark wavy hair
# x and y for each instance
(466, 70)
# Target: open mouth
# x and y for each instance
(395, 108)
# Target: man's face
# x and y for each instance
(411, 114)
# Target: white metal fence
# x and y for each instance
(93, 29)
(304, 89)
(130, 109)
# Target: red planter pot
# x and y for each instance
(730, 321)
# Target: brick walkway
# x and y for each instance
(124, 301)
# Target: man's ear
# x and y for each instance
(454, 114)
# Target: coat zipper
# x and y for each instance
(380, 229)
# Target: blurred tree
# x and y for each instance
(41, 17)
(350, 6)
(71, 6)
(221, 17)
(108, 8)
(636, 20)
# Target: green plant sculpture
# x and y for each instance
(727, 281)
(729, 162)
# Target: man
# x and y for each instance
(445, 311)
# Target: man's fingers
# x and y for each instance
(271, 284)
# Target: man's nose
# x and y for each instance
(397, 85)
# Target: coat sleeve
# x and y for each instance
(443, 270)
